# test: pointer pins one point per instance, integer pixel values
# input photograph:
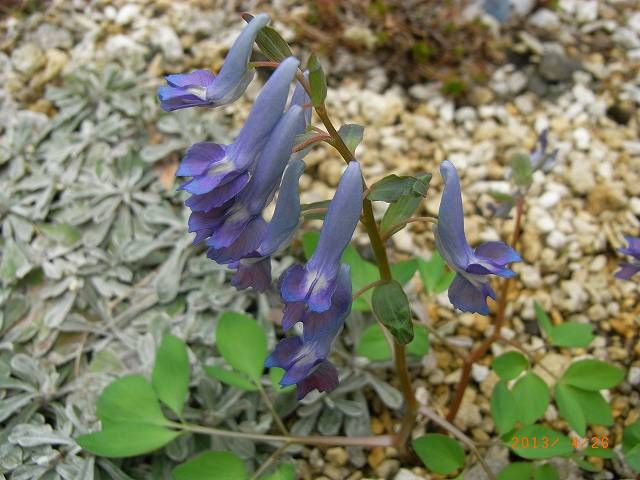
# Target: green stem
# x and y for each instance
(382, 260)
(373, 441)
(272, 409)
(269, 461)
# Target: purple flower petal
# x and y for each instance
(219, 196)
(449, 231)
(634, 247)
(243, 246)
(292, 314)
(199, 158)
(253, 274)
(205, 223)
(316, 282)
(286, 216)
(498, 253)
(265, 114)
(627, 270)
(467, 297)
(285, 353)
(324, 379)
(323, 327)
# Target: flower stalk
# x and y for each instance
(482, 349)
(382, 262)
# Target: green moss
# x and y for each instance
(454, 87)
(422, 52)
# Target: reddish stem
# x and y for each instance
(479, 352)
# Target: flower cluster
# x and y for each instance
(231, 186)
(319, 294)
(470, 287)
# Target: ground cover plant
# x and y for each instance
(230, 187)
(181, 299)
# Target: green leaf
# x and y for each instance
(501, 197)
(536, 441)
(434, 274)
(543, 319)
(570, 409)
(419, 346)
(61, 232)
(276, 374)
(439, 453)
(521, 170)
(15, 264)
(317, 81)
(598, 450)
(504, 410)
(391, 306)
(170, 377)
(632, 457)
(631, 445)
(230, 377)
(588, 466)
(546, 472)
(531, 395)
(405, 206)
(516, 471)
(595, 408)
(270, 42)
(592, 375)
(572, 335)
(130, 399)
(391, 188)
(351, 134)
(373, 344)
(509, 365)
(212, 466)
(631, 436)
(403, 271)
(242, 343)
(285, 471)
(126, 439)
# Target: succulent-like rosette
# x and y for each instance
(201, 88)
(470, 287)
(304, 358)
(315, 282)
(629, 269)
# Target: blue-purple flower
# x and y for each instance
(470, 287)
(201, 88)
(255, 270)
(304, 358)
(315, 283)
(242, 228)
(540, 158)
(629, 269)
(220, 171)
